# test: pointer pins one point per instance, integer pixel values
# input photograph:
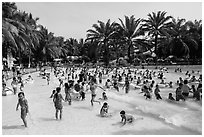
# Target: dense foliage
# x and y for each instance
(28, 41)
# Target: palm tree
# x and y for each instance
(9, 31)
(177, 44)
(116, 48)
(183, 42)
(157, 25)
(131, 32)
(102, 33)
(47, 48)
(18, 29)
(194, 32)
(32, 35)
(80, 47)
(91, 51)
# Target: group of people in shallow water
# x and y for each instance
(22, 101)
(76, 82)
(116, 78)
(16, 81)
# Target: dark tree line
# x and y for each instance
(26, 40)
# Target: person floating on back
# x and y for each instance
(58, 102)
(24, 107)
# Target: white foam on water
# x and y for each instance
(178, 113)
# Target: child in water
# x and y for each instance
(126, 118)
(104, 96)
(156, 92)
(171, 84)
(24, 107)
(108, 83)
(58, 102)
(14, 84)
(48, 79)
(67, 89)
(171, 97)
(179, 93)
(82, 92)
(93, 87)
(21, 86)
(147, 92)
(127, 85)
(104, 110)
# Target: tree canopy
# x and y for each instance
(24, 38)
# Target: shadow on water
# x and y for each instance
(117, 124)
(105, 117)
(14, 127)
(47, 119)
(181, 130)
(86, 108)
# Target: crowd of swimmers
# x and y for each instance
(76, 82)
(122, 78)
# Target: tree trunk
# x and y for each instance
(8, 58)
(29, 59)
(106, 56)
(129, 58)
(155, 50)
(129, 48)
(20, 60)
(117, 55)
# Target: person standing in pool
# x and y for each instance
(67, 93)
(179, 93)
(156, 92)
(93, 87)
(58, 102)
(127, 85)
(115, 83)
(14, 84)
(100, 77)
(82, 91)
(24, 107)
(185, 89)
(48, 78)
(21, 86)
(108, 84)
(198, 93)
